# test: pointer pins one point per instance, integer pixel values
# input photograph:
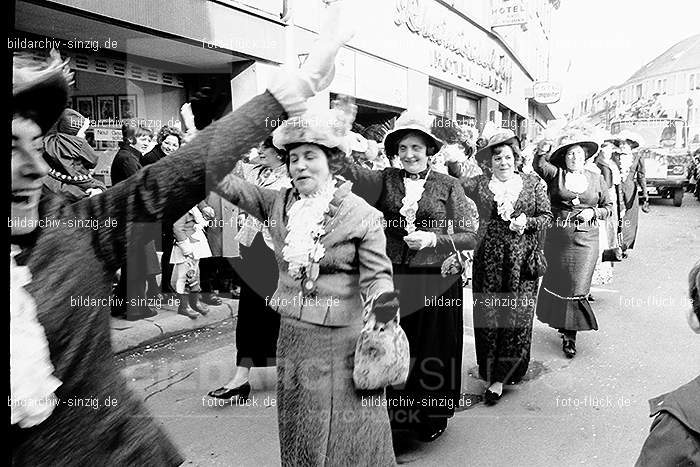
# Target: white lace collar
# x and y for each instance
(409, 203)
(305, 226)
(32, 383)
(576, 182)
(505, 194)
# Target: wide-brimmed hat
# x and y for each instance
(329, 128)
(40, 89)
(499, 137)
(567, 141)
(408, 123)
(633, 139)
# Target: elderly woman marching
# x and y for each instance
(579, 199)
(514, 209)
(331, 253)
(427, 219)
(61, 274)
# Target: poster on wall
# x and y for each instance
(508, 13)
(105, 108)
(126, 107)
(85, 106)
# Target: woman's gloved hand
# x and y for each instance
(420, 239)
(386, 306)
(292, 87)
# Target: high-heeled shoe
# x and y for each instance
(242, 392)
(491, 398)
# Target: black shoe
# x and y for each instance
(211, 299)
(569, 347)
(491, 398)
(140, 313)
(183, 309)
(429, 432)
(242, 392)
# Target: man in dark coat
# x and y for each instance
(137, 269)
(674, 438)
(67, 267)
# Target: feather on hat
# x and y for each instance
(329, 128)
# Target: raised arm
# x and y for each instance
(170, 187)
(543, 167)
(251, 198)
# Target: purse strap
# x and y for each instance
(459, 255)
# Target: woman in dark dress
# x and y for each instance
(633, 179)
(416, 203)
(513, 211)
(580, 198)
(258, 325)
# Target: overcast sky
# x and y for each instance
(606, 41)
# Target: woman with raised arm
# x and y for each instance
(580, 198)
(427, 218)
(331, 252)
(61, 273)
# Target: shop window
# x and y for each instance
(439, 101)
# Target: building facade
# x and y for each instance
(668, 86)
(140, 61)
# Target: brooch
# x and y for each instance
(308, 280)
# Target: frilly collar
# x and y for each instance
(506, 194)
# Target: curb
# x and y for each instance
(129, 335)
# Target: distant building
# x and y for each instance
(662, 88)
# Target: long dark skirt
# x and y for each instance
(630, 223)
(504, 304)
(323, 420)
(562, 302)
(258, 325)
(432, 317)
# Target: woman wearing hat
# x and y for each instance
(633, 179)
(579, 199)
(416, 203)
(331, 253)
(59, 338)
(513, 212)
(258, 325)
(70, 158)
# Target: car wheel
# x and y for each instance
(678, 197)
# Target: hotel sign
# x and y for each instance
(456, 49)
(546, 92)
(508, 13)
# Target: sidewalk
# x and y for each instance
(127, 335)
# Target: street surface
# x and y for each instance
(591, 410)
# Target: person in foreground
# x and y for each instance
(674, 438)
(331, 251)
(60, 345)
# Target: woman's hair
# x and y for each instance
(166, 131)
(131, 132)
(694, 288)
(430, 150)
(517, 157)
(335, 156)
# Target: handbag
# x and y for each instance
(454, 264)
(382, 355)
(535, 264)
(615, 255)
